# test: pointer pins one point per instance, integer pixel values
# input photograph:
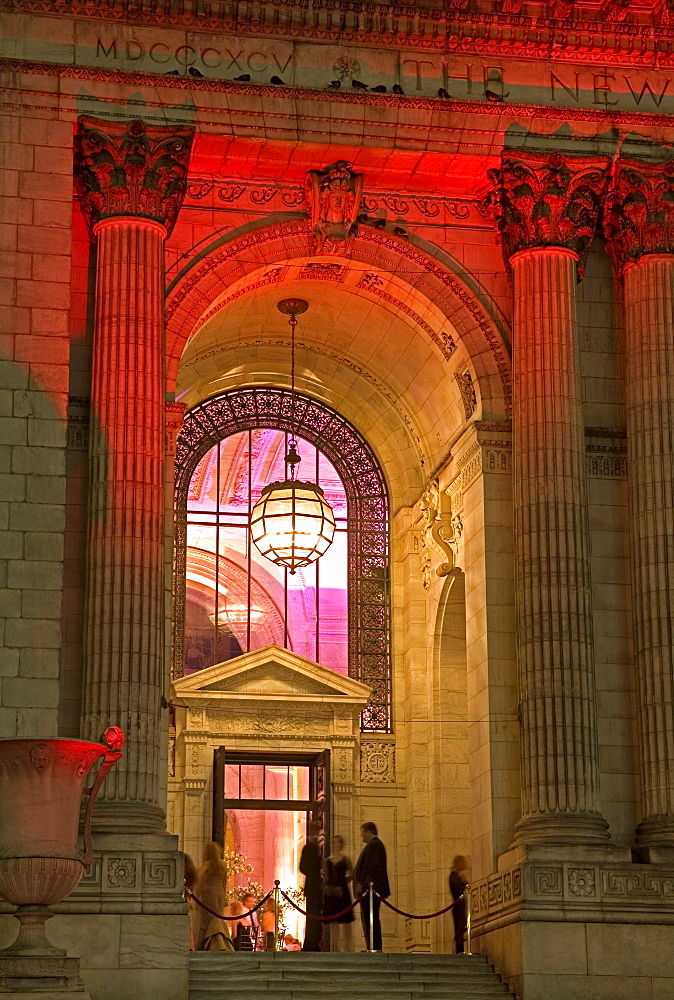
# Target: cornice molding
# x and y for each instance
(506, 113)
(616, 33)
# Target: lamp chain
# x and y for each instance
(293, 439)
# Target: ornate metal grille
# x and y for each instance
(369, 626)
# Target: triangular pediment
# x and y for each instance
(273, 673)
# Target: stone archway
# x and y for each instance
(429, 271)
(368, 519)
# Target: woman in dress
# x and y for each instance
(212, 933)
(337, 873)
(190, 879)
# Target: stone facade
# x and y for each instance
(487, 253)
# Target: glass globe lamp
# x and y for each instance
(292, 524)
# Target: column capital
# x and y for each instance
(131, 168)
(639, 211)
(547, 199)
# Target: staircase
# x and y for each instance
(312, 976)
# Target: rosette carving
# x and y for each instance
(547, 199)
(131, 168)
(639, 211)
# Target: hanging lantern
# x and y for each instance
(292, 524)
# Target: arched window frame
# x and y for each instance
(369, 600)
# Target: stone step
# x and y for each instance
(306, 960)
(405, 979)
(329, 982)
(339, 976)
(277, 992)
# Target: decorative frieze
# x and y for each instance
(271, 723)
(131, 168)
(151, 879)
(578, 891)
(383, 207)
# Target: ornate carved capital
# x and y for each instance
(547, 199)
(131, 168)
(639, 212)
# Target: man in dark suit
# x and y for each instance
(371, 867)
(310, 866)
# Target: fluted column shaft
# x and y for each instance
(124, 655)
(560, 780)
(649, 326)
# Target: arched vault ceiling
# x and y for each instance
(387, 364)
(390, 338)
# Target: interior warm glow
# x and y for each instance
(226, 574)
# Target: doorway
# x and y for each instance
(262, 805)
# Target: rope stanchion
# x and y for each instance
(468, 920)
(371, 949)
(419, 916)
(277, 907)
(223, 916)
(324, 920)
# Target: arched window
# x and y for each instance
(227, 598)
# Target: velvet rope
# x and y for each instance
(324, 920)
(222, 916)
(416, 916)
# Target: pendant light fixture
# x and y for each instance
(292, 524)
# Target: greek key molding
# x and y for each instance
(160, 872)
(576, 887)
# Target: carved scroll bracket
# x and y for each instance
(442, 531)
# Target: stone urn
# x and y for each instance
(41, 788)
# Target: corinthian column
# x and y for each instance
(546, 209)
(639, 226)
(131, 177)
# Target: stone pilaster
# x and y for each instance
(131, 178)
(639, 225)
(546, 209)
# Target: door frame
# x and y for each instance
(317, 806)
